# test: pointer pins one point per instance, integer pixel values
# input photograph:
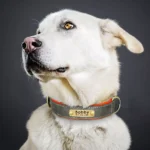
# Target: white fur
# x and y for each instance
(93, 76)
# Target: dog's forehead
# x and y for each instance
(67, 15)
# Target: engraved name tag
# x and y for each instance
(81, 113)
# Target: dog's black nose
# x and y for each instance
(30, 44)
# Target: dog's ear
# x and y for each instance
(113, 36)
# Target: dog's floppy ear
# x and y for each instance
(113, 36)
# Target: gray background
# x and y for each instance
(20, 95)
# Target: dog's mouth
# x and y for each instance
(32, 64)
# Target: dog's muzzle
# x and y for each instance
(33, 64)
(31, 46)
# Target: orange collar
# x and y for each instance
(99, 104)
(93, 112)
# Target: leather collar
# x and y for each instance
(93, 112)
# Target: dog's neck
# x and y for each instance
(84, 88)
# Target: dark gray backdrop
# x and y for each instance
(20, 95)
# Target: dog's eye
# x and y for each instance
(68, 25)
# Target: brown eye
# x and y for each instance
(68, 25)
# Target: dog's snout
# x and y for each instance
(30, 44)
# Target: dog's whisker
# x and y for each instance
(36, 21)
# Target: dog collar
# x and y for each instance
(93, 112)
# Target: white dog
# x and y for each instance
(74, 58)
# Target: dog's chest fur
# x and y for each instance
(49, 132)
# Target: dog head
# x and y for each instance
(77, 47)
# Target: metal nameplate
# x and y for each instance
(81, 113)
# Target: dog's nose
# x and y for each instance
(30, 44)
